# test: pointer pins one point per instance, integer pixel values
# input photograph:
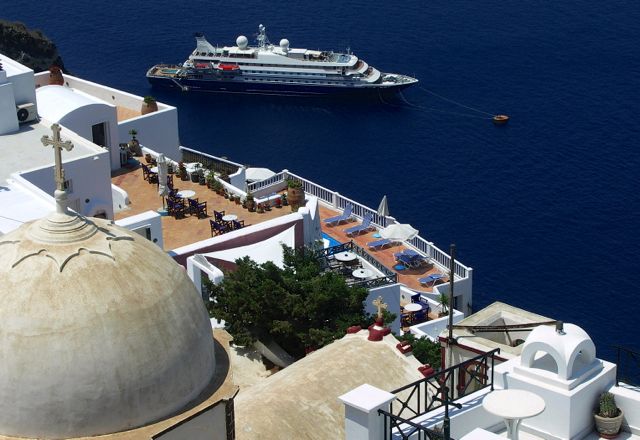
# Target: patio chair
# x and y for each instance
(197, 208)
(237, 224)
(218, 215)
(345, 216)
(152, 177)
(145, 171)
(363, 227)
(217, 228)
(379, 244)
(175, 207)
(431, 279)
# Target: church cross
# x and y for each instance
(380, 305)
(58, 145)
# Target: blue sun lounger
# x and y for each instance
(365, 226)
(345, 216)
(431, 279)
(379, 244)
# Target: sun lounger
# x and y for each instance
(364, 226)
(431, 279)
(345, 216)
(379, 244)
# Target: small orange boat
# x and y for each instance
(500, 119)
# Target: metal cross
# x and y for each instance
(58, 145)
(380, 305)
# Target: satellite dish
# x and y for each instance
(242, 42)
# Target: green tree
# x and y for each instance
(425, 350)
(299, 307)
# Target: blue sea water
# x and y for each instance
(545, 209)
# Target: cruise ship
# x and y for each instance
(269, 69)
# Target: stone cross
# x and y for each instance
(380, 305)
(58, 145)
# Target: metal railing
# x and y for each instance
(418, 432)
(440, 389)
(389, 277)
(217, 164)
(628, 370)
(271, 181)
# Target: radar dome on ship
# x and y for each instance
(242, 42)
(284, 43)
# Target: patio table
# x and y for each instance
(513, 406)
(413, 307)
(229, 217)
(186, 194)
(362, 273)
(345, 257)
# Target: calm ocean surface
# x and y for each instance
(545, 209)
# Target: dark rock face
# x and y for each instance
(29, 47)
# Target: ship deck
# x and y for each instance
(179, 232)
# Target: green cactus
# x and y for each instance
(608, 406)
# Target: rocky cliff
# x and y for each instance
(29, 47)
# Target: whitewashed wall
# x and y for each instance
(91, 183)
(149, 219)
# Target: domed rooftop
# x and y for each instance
(101, 330)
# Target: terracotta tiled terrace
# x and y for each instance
(409, 277)
(179, 232)
(124, 113)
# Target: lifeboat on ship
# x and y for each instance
(228, 67)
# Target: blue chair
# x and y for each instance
(365, 226)
(379, 244)
(431, 279)
(345, 216)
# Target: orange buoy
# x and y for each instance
(500, 119)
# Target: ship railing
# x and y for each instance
(215, 163)
(338, 201)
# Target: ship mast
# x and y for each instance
(262, 37)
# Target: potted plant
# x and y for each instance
(237, 200)
(250, 202)
(202, 178)
(134, 144)
(444, 303)
(285, 202)
(608, 417)
(217, 186)
(55, 76)
(278, 203)
(149, 105)
(295, 194)
(182, 171)
(225, 177)
(260, 209)
(195, 175)
(211, 181)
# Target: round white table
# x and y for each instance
(513, 406)
(229, 217)
(186, 194)
(153, 169)
(413, 307)
(346, 256)
(362, 273)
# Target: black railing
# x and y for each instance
(389, 277)
(400, 425)
(441, 389)
(628, 370)
(208, 162)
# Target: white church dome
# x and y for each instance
(100, 331)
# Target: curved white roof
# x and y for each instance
(56, 102)
(571, 349)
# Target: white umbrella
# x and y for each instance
(163, 189)
(383, 209)
(398, 232)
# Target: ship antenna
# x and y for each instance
(262, 37)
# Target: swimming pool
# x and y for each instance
(332, 241)
(170, 71)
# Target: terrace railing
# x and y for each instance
(335, 199)
(628, 362)
(217, 164)
(440, 389)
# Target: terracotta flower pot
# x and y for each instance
(55, 76)
(149, 107)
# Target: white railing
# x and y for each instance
(439, 256)
(271, 181)
(314, 189)
(361, 210)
